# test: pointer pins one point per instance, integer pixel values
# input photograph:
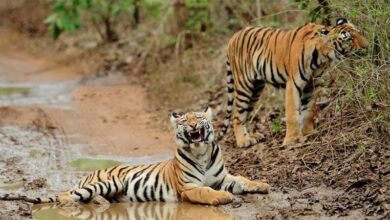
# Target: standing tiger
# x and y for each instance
(290, 59)
(196, 174)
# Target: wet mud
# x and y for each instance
(55, 126)
(139, 211)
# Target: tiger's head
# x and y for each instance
(342, 40)
(193, 129)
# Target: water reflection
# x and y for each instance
(136, 211)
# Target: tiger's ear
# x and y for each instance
(174, 117)
(209, 113)
(341, 21)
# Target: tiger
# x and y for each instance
(195, 174)
(291, 59)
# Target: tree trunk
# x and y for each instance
(326, 11)
(111, 36)
(136, 16)
(258, 10)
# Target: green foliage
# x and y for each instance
(199, 18)
(367, 85)
(152, 8)
(276, 127)
(313, 9)
(67, 14)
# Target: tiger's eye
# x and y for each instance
(323, 31)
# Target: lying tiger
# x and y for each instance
(291, 59)
(196, 174)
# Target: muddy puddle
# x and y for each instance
(91, 164)
(14, 91)
(53, 93)
(277, 205)
(138, 211)
(85, 164)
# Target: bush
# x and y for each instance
(366, 82)
(68, 15)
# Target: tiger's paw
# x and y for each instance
(100, 200)
(307, 134)
(221, 198)
(259, 187)
(251, 186)
(65, 199)
(248, 140)
(69, 205)
(289, 141)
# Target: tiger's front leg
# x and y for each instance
(207, 196)
(239, 185)
(293, 103)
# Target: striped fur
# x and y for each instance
(290, 59)
(196, 173)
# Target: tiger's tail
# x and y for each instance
(230, 101)
(37, 200)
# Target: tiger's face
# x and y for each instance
(342, 40)
(193, 129)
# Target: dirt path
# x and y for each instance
(64, 123)
(101, 112)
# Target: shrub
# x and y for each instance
(68, 15)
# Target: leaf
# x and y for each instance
(116, 10)
(51, 19)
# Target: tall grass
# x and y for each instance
(365, 81)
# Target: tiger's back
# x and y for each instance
(254, 49)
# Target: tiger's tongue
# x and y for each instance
(195, 136)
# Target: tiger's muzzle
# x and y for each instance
(196, 135)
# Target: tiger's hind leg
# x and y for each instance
(240, 185)
(256, 92)
(244, 104)
(86, 193)
(308, 108)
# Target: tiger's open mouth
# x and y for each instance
(196, 136)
